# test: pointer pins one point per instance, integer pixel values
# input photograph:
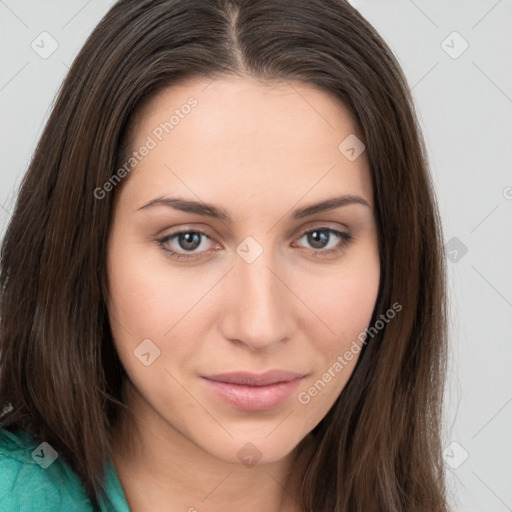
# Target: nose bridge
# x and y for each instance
(259, 312)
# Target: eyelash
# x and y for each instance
(345, 240)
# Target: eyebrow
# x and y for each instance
(209, 210)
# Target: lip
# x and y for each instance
(254, 392)
(255, 379)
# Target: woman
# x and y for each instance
(222, 285)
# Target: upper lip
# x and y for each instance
(254, 379)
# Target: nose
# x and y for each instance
(258, 304)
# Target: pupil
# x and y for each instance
(314, 237)
(189, 240)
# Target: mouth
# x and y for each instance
(254, 392)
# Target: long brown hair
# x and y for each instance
(379, 446)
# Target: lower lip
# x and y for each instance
(253, 398)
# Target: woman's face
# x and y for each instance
(273, 283)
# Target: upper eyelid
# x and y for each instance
(313, 225)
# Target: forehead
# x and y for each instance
(243, 104)
(247, 135)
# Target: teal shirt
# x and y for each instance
(26, 486)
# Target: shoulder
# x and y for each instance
(34, 479)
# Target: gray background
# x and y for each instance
(464, 103)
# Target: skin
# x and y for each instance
(258, 151)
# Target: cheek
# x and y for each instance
(149, 299)
(343, 305)
(138, 298)
(140, 306)
(344, 308)
(144, 307)
(147, 295)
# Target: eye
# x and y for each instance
(188, 241)
(324, 241)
